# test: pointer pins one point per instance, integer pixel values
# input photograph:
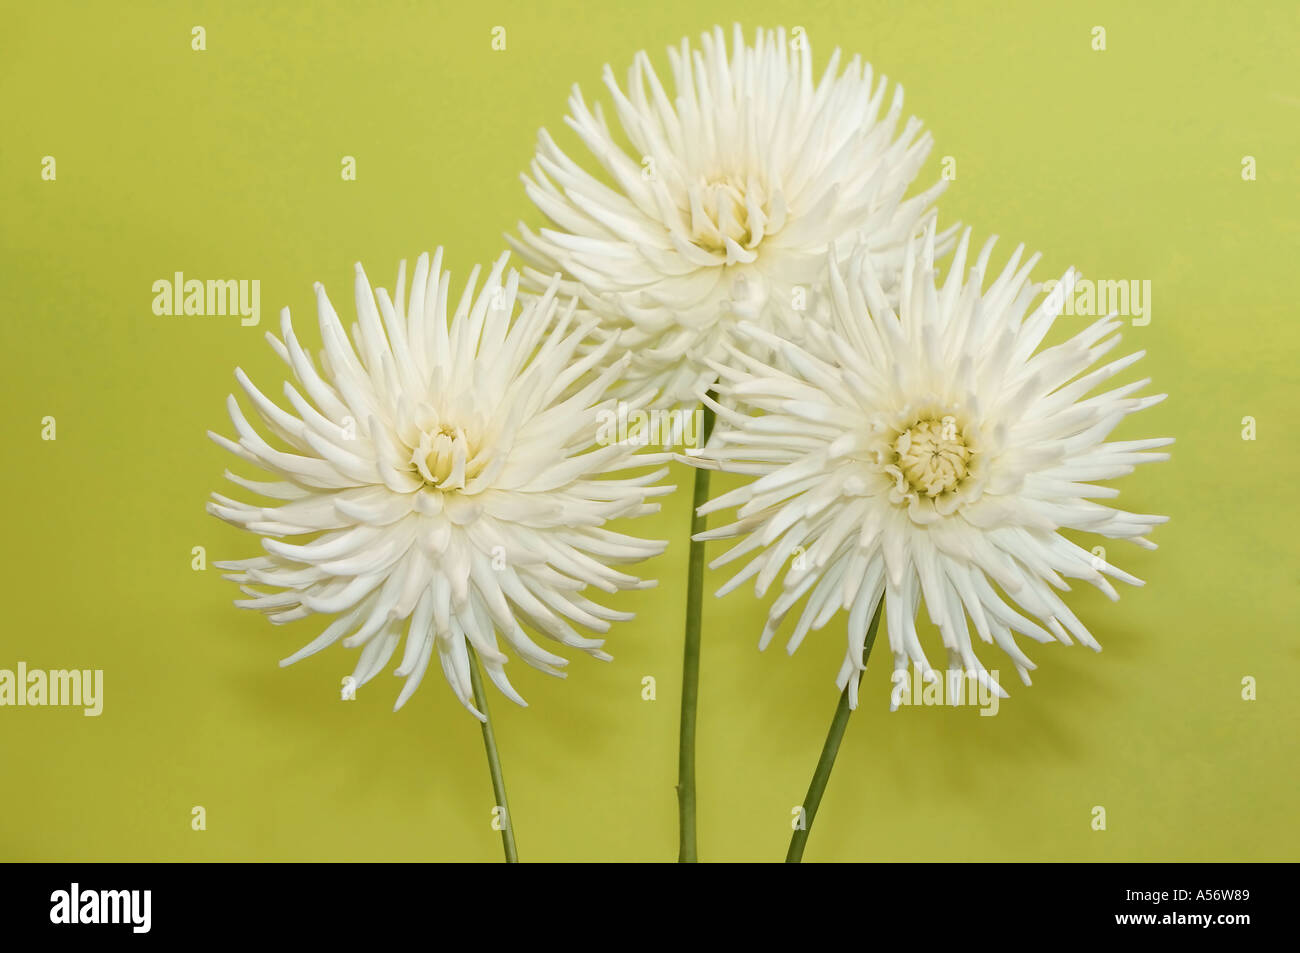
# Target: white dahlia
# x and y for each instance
(446, 480)
(721, 203)
(939, 460)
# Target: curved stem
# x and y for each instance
(494, 760)
(832, 746)
(686, 853)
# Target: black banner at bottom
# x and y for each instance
(339, 902)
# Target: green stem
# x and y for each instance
(494, 760)
(691, 661)
(827, 761)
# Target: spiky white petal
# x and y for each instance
(937, 461)
(445, 479)
(728, 201)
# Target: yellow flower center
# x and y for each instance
(719, 211)
(446, 458)
(933, 456)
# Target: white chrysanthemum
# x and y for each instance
(724, 200)
(939, 460)
(448, 477)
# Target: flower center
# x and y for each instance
(445, 458)
(933, 456)
(719, 211)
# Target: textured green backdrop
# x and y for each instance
(226, 163)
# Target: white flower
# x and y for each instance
(447, 475)
(939, 460)
(727, 204)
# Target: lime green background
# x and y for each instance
(226, 164)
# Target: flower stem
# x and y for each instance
(691, 661)
(827, 761)
(494, 761)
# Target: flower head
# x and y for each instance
(938, 461)
(446, 478)
(726, 204)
